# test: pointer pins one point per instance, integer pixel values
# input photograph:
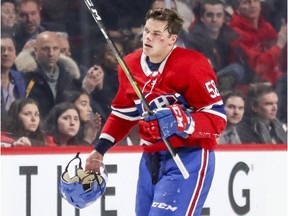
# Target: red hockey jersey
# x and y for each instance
(184, 77)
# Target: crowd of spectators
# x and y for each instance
(56, 63)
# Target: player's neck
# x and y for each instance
(159, 58)
(152, 66)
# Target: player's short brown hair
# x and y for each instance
(175, 22)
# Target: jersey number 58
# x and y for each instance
(212, 89)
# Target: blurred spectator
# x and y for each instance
(56, 12)
(133, 45)
(94, 79)
(93, 82)
(12, 81)
(164, 4)
(213, 38)
(63, 124)
(8, 17)
(23, 125)
(47, 74)
(260, 43)
(274, 11)
(29, 23)
(119, 15)
(179, 6)
(90, 123)
(260, 124)
(64, 43)
(105, 93)
(234, 104)
(281, 90)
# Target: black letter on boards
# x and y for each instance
(241, 210)
(28, 171)
(110, 191)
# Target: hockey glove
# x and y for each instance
(169, 121)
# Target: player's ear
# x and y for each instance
(173, 39)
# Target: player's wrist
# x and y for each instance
(191, 124)
(103, 145)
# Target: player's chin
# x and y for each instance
(147, 52)
(147, 48)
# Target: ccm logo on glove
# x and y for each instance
(166, 122)
(179, 114)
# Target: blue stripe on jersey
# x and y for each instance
(216, 109)
(127, 113)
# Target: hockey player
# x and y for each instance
(180, 86)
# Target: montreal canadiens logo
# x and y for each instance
(159, 101)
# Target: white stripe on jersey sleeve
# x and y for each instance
(130, 114)
(215, 109)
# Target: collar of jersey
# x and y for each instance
(146, 68)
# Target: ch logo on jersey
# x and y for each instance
(156, 101)
(159, 101)
(181, 122)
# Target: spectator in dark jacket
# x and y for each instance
(234, 105)
(29, 22)
(260, 124)
(213, 38)
(47, 73)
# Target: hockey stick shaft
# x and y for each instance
(134, 84)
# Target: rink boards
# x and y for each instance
(249, 180)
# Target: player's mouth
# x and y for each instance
(147, 45)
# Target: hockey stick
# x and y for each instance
(134, 84)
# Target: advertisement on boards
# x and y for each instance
(249, 183)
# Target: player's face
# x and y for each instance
(47, 51)
(8, 53)
(267, 106)
(157, 42)
(83, 105)
(8, 15)
(30, 117)
(68, 123)
(249, 9)
(29, 17)
(213, 17)
(234, 108)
